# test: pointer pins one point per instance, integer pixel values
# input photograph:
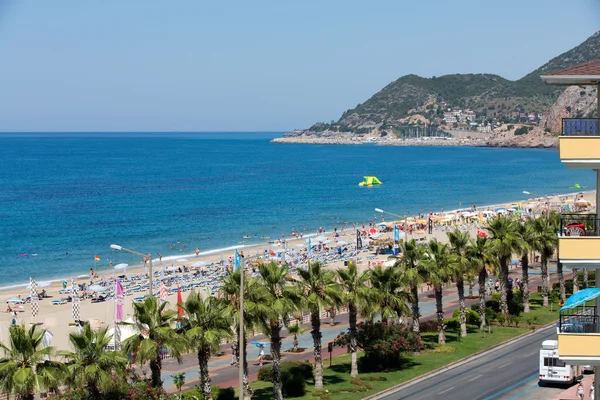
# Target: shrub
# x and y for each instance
(223, 393)
(382, 344)
(428, 326)
(524, 130)
(493, 304)
(293, 383)
(304, 368)
(472, 315)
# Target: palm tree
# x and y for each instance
(204, 325)
(481, 254)
(554, 220)
(437, 266)
(355, 294)
(25, 367)
(91, 365)
(545, 242)
(277, 301)
(153, 321)
(503, 233)
(412, 275)
(459, 241)
(295, 329)
(388, 296)
(526, 239)
(231, 297)
(320, 290)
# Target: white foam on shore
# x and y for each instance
(104, 271)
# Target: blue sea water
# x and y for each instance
(67, 197)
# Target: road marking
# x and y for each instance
(447, 390)
(505, 365)
(532, 353)
(475, 377)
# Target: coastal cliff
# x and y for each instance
(486, 109)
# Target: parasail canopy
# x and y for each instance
(370, 181)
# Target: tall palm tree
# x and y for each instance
(481, 254)
(545, 242)
(524, 246)
(277, 301)
(153, 321)
(91, 364)
(356, 295)
(295, 329)
(231, 297)
(388, 296)
(412, 275)
(320, 290)
(437, 266)
(204, 325)
(25, 367)
(503, 233)
(554, 220)
(459, 241)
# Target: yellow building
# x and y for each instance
(579, 240)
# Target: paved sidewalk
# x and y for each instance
(571, 393)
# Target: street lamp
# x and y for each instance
(149, 256)
(379, 210)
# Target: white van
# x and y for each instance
(554, 370)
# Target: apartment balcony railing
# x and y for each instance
(581, 127)
(579, 225)
(579, 320)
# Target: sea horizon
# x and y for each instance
(67, 198)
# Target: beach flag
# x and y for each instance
(46, 341)
(237, 261)
(358, 239)
(164, 293)
(396, 233)
(75, 301)
(35, 306)
(309, 248)
(180, 311)
(97, 258)
(119, 294)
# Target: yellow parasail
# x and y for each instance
(370, 181)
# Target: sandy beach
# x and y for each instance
(56, 318)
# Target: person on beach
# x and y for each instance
(261, 354)
(197, 252)
(592, 395)
(233, 354)
(580, 391)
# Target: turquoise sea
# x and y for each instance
(67, 197)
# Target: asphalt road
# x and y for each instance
(509, 372)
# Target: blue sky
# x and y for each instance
(146, 65)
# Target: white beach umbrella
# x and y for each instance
(320, 238)
(42, 284)
(96, 288)
(121, 266)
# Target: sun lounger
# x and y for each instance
(58, 302)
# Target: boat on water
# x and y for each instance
(370, 181)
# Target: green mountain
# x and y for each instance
(413, 99)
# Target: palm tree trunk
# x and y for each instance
(315, 320)
(93, 391)
(561, 281)
(482, 278)
(525, 282)
(460, 287)
(544, 268)
(155, 369)
(471, 284)
(440, 314)
(276, 355)
(415, 310)
(575, 280)
(504, 285)
(295, 349)
(352, 330)
(203, 356)
(585, 278)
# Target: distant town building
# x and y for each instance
(449, 117)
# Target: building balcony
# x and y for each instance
(579, 336)
(580, 143)
(579, 241)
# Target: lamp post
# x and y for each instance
(379, 210)
(149, 256)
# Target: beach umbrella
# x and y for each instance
(121, 266)
(96, 288)
(42, 284)
(582, 202)
(373, 231)
(181, 260)
(83, 277)
(199, 264)
(382, 224)
(15, 300)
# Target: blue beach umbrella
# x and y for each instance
(581, 297)
(15, 300)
